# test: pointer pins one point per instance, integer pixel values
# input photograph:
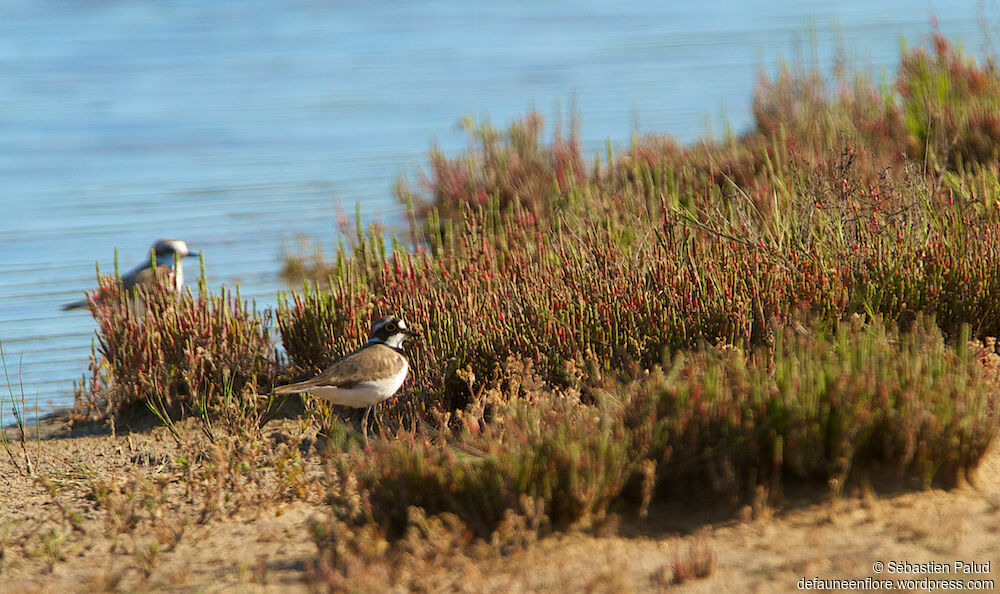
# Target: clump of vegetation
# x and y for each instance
(625, 275)
(826, 408)
(792, 304)
(174, 352)
(950, 105)
(513, 166)
(17, 408)
(937, 117)
(698, 563)
(572, 457)
(713, 423)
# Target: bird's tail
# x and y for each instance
(291, 388)
(81, 304)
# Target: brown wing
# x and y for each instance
(375, 360)
(141, 276)
(145, 277)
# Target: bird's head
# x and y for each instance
(169, 248)
(391, 331)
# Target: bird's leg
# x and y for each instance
(378, 421)
(364, 424)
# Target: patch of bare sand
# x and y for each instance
(270, 548)
(55, 536)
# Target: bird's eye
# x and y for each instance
(390, 327)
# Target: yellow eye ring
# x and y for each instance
(390, 327)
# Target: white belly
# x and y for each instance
(363, 394)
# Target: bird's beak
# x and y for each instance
(193, 255)
(413, 334)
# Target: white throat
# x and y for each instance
(179, 276)
(395, 341)
(177, 264)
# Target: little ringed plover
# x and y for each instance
(367, 376)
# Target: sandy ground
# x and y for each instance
(269, 548)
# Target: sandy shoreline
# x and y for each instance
(57, 535)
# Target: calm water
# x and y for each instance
(237, 126)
